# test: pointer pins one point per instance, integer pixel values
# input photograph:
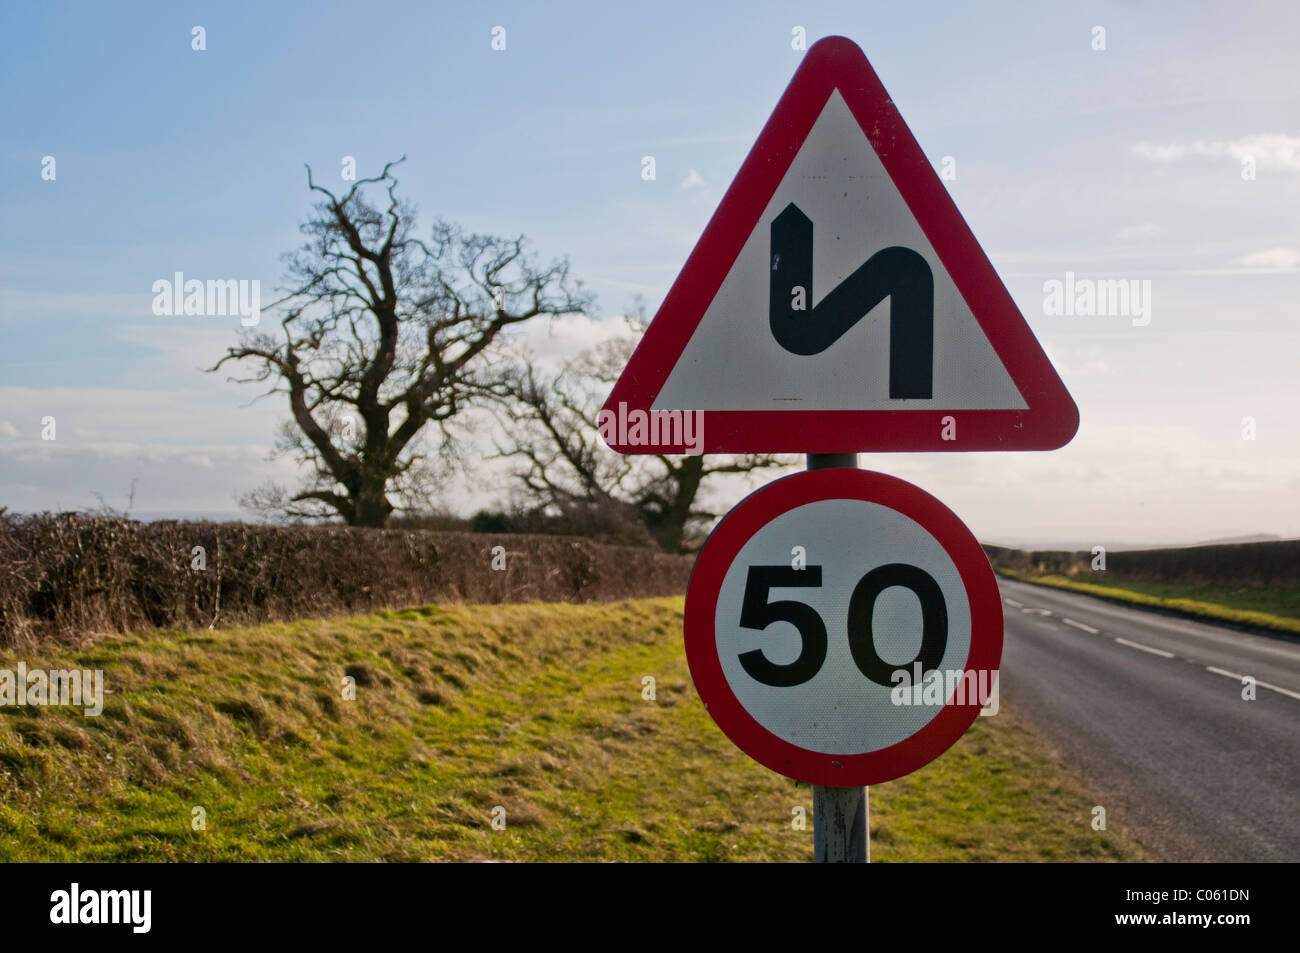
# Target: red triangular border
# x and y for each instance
(1049, 421)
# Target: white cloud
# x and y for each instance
(1135, 233)
(66, 475)
(1271, 259)
(47, 306)
(693, 180)
(179, 347)
(553, 342)
(1270, 150)
(1074, 364)
(104, 417)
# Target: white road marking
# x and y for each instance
(1144, 648)
(1224, 671)
(1037, 611)
(1269, 686)
(1012, 602)
(1280, 691)
(1080, 625)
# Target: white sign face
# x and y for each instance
(858, 556)
(733, 361)
(843, 627)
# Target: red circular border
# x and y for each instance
(724, 544)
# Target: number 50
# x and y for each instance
(756, 612)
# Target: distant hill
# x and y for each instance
(1051, 545)
(1256, 538)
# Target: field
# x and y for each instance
(533, 713)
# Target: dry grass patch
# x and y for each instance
(536, 709)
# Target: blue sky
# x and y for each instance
(1115, 163)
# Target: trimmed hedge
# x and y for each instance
(64, 575)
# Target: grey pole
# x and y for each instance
(840, 825)
(840, 834)
(823, 461)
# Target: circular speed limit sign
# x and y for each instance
(843, 627)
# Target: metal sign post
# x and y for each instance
(841, 831)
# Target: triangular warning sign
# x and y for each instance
(837, 302)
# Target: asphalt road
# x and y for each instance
(1149, 707)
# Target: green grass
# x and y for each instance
(1275, 609)
(534, 708)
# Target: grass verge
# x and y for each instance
(1277, 610)
(536, 709)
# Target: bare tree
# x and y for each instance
(551, 428)
(382, 334)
